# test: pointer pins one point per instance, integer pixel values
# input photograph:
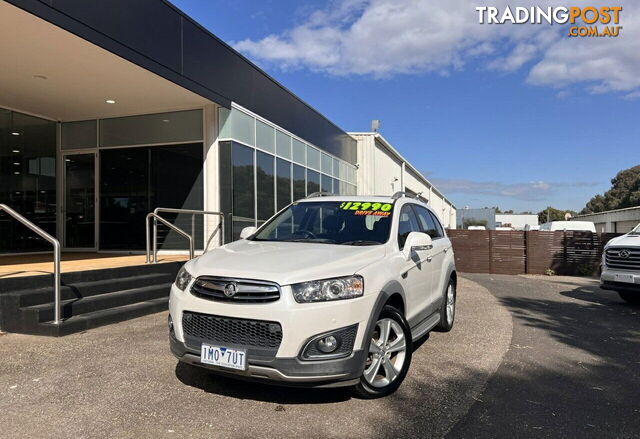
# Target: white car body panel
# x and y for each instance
(421, 280)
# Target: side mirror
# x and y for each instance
(247, 231)
(416, 242)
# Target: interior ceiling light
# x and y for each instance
(17, 173)
(16, 151)
(15, 133)
(165, 120)
(110, 101)
(16, 163)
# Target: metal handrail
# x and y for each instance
(193, 213)
(56, 258)
(157, 218)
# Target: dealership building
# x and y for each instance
(109, 110)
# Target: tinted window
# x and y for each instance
(313, 182)
(437, 223)
(242, 182)
(299, 182)
(328, 223)
(284, 183)
(265, 185)
(408, 223)
(326, 184)
(427, 223)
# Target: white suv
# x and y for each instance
(331, 291)
(621, 266)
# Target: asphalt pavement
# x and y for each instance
(573, 367)
(121, 381)
(528, 357)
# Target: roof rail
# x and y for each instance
(401, 194)
(320, 194)
(417, 196)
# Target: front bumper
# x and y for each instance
(299, 324)
(610, 280)
(285, 371)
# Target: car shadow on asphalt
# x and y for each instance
(209, 382)
(593, 294)
(203, 379)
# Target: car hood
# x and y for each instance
(625, 241)
(284, 262)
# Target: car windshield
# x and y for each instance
(635, 231)
(330, 222)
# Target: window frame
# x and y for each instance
(436, 224)
(410, 208)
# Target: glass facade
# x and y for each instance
(177, 126)
(265, 176)
(264, 169)
(145, 161)
(79, 201)
(27, 179)
(134, 181)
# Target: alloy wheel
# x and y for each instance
(387, 353)
(451, 303)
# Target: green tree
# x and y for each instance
(553, 214)
(624, 192)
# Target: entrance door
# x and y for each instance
(79, 205)
(136, 180)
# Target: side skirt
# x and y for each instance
(425, 326)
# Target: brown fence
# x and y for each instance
(514, 252)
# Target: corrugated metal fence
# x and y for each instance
(514, 252)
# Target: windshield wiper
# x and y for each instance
(360, 242)
(316, 240)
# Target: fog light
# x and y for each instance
(327, 344)
(170, 324)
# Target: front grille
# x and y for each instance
(260, 338)
(223, 289)
(621, 258)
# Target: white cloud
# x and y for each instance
(382, 38)
(529, 191)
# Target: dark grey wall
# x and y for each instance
(157, 36)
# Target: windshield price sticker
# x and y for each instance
(367, 208)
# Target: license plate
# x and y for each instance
(628, 278)
(223, 357)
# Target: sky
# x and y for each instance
(518, 116)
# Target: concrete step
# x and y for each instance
(91, 288)
(89, 299)
(83, 305)
(103, 317)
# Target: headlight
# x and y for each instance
(328, 289)
(183, 278)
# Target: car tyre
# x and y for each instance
(388, 355)
(448, 308)
(632, 298)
